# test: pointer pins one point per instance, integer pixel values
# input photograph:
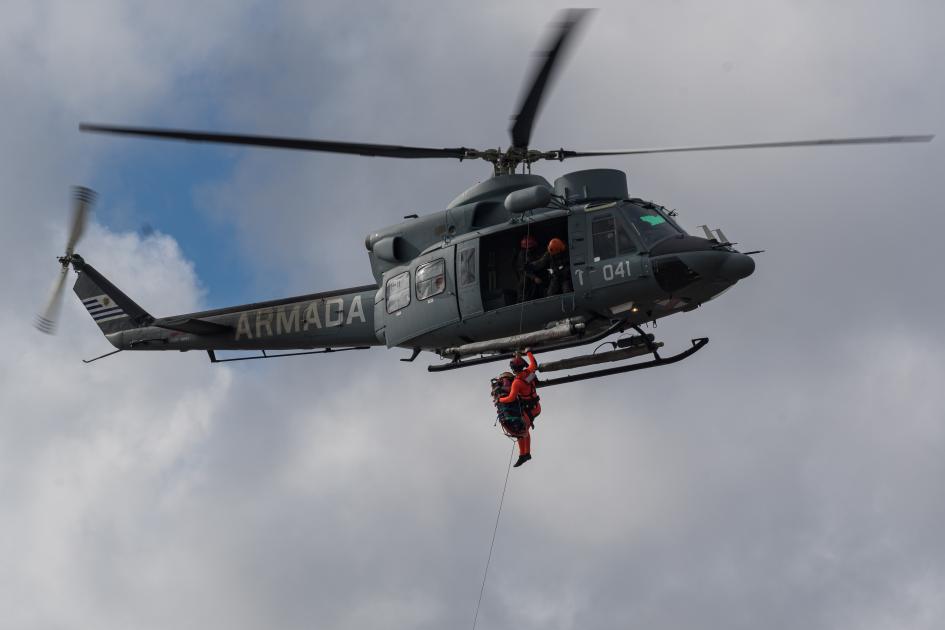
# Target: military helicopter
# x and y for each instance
(447, 283)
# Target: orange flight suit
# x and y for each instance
(524, 389)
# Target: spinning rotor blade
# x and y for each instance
(301, 144)
(564, 154)
(522, 123)
(46, 322)
(82, 199)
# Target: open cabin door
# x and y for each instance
(418, 298)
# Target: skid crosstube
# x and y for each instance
(461, 363)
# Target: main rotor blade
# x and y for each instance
(564, 154)
(301, 144)
(521, 129)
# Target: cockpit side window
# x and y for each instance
(610, 238)
(625, 244)
(649, 223)
(605, 243)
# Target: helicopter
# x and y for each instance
(447, 282)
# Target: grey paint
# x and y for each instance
(469, 293)
(405, 326)
(622, 288)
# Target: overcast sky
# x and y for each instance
(790, 475)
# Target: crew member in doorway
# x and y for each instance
(523, 391)
(530, 281)
(558, 265)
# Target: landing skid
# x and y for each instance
(644, 345)
(657, 361)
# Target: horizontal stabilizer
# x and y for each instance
(192, 325)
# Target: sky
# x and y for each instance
(787, 476)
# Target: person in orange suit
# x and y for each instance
(556, 262)
(523, 390)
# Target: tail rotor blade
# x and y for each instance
(82, 200)
(46, 322)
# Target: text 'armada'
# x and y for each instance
(295, 318)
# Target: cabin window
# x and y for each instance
(610, 239)
(467, 267)
(431, 279)
(398, 292)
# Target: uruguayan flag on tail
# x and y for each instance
(102, 308)
(111, 309)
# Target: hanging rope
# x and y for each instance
(521, 323)
(492, 544)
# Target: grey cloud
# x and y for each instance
(786, 476)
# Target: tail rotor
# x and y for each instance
(82, 200)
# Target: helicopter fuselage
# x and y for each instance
(456, 277)
(627, 260)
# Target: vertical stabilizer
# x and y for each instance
(111, 309)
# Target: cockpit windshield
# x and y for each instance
(649, 222)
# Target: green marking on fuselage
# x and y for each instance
(652, 219)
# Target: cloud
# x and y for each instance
(87, 453)
(784, 476)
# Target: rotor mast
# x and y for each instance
(507, 162)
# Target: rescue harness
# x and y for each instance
(511, 416)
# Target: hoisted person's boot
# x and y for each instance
(522, 459)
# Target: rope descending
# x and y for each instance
(492, 544)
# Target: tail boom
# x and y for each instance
(332, 319)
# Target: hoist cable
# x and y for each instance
(521, 324)
(492, 544)
(525, 263)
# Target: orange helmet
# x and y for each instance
(556, 246)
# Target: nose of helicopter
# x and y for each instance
(736, 266)
(719, 266)
(700, 268)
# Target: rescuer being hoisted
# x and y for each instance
(517, 403)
